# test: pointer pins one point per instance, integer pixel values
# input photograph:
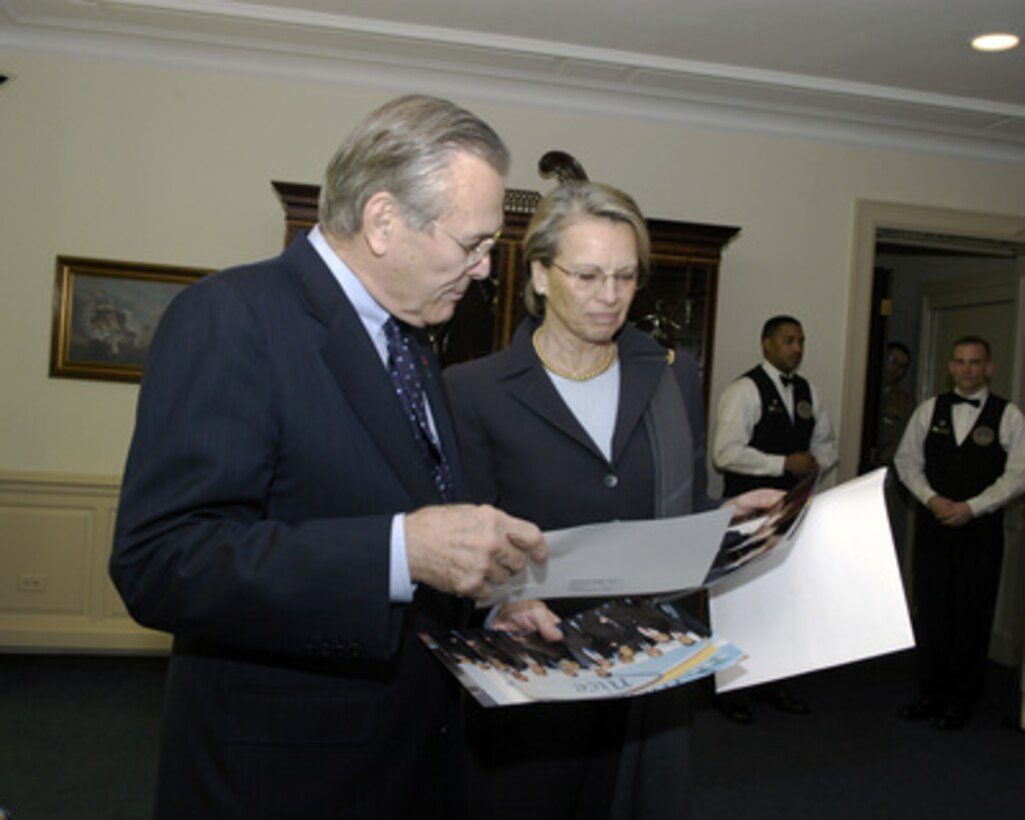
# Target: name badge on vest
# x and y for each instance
(775, 406)
(941, 428)
(803, 410)
(983, 436)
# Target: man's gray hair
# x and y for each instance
(406, 148)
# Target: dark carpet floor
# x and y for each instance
(78, 741)
(852, 759)
(78, 735)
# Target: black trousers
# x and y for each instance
(547, 761)
(956, 579)
(589, 760)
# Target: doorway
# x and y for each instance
(922, 275)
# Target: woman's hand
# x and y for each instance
(753, 501)
(528, 616)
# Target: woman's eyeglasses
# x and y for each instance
(587, 280)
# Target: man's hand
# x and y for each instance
(950, 513)
(461, 549)
(528, 616)
(800, 464)
(753, 501)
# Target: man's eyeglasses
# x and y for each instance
(588, 280)
(478, 250)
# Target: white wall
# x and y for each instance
(154, 164)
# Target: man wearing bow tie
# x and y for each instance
(772, 429)
(963, 457)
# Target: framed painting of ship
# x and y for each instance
(104, 315)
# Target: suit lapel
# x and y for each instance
(642, 363)
(526, 382)
(354, 363)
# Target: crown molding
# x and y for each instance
(259, 40)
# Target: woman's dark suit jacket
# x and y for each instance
(524, 451)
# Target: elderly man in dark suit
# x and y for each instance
(284, 509)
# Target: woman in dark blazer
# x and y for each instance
(581, 419)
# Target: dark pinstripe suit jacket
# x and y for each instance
(269, 456)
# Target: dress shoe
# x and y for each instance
(951, 718)
(919, 710)
(784, 700)
(736, 712)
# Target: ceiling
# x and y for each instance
(866, 71)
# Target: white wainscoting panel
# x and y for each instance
(55, 539)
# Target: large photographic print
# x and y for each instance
(750, 538)
(104, 315)
(622, 648)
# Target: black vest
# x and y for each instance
(959, 472)
(775, 433)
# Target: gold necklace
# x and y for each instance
(582, 377)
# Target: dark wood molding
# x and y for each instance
(677, 305)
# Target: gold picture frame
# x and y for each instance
(105, 312)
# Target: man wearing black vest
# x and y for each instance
(772, 429)
(963, 457)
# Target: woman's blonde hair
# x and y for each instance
(561, 208)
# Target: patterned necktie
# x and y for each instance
(408, 381)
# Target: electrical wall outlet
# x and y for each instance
(30, 582)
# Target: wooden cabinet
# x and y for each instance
(677, 305)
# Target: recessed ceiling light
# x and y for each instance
(995, 42)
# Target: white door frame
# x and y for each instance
(869, 217)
